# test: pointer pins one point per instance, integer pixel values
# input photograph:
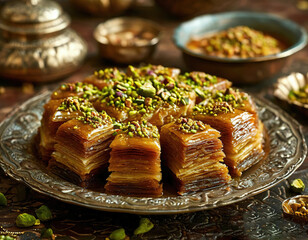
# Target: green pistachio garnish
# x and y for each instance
(145, 225)
(221, 102)
(142, 129)
(94, 118)
(43, 213)
(297, 186)
(109, 73)
(188, 125)
(25, 220)
(46, 233)
(3, 200)
(147, 90)
(118, 234)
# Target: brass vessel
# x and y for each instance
(36, 43)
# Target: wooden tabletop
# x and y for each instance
(13, 93)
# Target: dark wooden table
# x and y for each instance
(224, 223)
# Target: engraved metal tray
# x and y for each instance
(18, 159)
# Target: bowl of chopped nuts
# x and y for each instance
(244, 47)
(296, 208)
(293, 91)
(126, 39)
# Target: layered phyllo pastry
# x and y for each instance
(135, 163)
(192, 151)
(241, 131)
(82, 147)
(154, 99)
(113, 119)
(56, 113)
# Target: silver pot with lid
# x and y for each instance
(36, 42)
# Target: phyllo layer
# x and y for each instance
(134, 163)
(193, 153)
(82, 146)
(235, 117)
(56, 113)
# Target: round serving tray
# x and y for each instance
(287, 151)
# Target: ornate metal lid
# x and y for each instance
(32, 17)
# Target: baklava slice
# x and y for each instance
(56, 112)
(82, 147)
(241, 130)
(192, 152)
(134, 163)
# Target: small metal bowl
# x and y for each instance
(240, 70)
(127, 40)
(294, 82)
(289, 206)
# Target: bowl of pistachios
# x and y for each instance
(127, 40)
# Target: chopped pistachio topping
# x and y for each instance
(109, 73)
(89, 113)
(152, 70)
(72, 104)
(86, 90)
(95, 119)
(143, 94)
(188, 125)
(221, 102)
(142, 129)
(198, 79)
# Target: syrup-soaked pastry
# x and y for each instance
(241, 131)
(82, 147)
(56, 113)
(105, 78)
(203, 84)
(156, 95)
(135, 163)
(155, 99)
(193, 153)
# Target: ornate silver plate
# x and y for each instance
(18, 159)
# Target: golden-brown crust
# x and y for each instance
(196, 160)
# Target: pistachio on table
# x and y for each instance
(43, 213)
(145, 225)
(25, 220)
(3, 200)
(46, 233)
(118, 234)
(297, 185)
